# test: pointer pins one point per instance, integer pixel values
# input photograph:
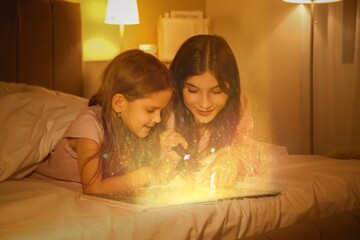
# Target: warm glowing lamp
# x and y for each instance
(122, 12)
(311, 66)
(311, 1)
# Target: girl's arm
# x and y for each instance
(92, 179)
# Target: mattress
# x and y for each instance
(311, 187)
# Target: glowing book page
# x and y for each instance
(163, 196)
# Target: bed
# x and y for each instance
(40, 97)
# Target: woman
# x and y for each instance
(211, 112)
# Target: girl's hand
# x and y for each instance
(169, 158)
(230, 163)
(222, 172)
(170, 139)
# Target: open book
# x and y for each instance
(164, 197)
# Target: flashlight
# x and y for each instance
(185, 155)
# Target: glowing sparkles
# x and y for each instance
(167, 196)
(105, 155)
(212, 181)
(212, 150)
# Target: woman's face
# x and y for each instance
(204, 97)
(142, 114)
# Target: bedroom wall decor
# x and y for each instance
(175, 27)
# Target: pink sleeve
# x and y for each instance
(62, 162)
(87, 125)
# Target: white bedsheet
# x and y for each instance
(311, 187)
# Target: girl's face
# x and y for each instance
(204, 97)
(142, 114)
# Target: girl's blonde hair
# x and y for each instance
(135, 74)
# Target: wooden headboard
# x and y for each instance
(40, 44)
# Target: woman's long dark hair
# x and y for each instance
(135, 74)
(197, 55)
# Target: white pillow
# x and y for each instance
(31, 123)
(10, 87)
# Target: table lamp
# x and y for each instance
(122, 12)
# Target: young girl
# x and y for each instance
(112, 145)
(209, 109)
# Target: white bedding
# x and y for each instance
(311, 187)
(32, 120)
(33, 208)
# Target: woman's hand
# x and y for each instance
(222, 172)
(170, 139)
(230, 163)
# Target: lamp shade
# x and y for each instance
(122, 12)
(309, 1)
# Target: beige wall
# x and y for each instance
(101, 41)
(270, 39)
